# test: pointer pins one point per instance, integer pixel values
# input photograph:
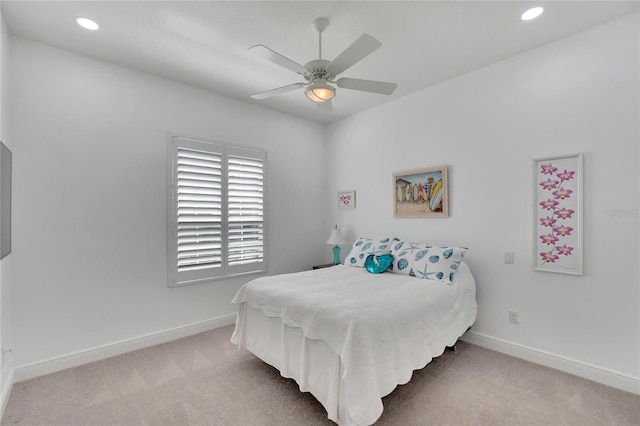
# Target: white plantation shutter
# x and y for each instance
(199, 221)
(217, 225)
(246, 210)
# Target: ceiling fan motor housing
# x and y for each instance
(317, 70)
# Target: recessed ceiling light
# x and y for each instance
(87, 23)
(532, 13)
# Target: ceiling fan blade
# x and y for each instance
(276, 58)
(278, 91)
(367, 85)
(360, 48)
(325, 106)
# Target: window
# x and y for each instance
(217, 211)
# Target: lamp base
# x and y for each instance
(336, 255)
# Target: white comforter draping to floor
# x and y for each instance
(382, 326)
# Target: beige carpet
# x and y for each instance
(205, 380)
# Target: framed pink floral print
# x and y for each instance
(558, 214)
(347, 199)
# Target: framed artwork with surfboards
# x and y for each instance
(421, 193)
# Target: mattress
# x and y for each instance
(350, 337)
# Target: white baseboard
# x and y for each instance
(40, 368)
(602, 375)
(5, 392)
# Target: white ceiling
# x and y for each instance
(205, 43)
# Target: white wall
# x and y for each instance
(5, 264)
(577, 95)
(89, 253)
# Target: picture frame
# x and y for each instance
(5, 200)
(347, 199)
(558, 206)
(421, 193)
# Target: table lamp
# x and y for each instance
(335, 238)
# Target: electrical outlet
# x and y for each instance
(514, 317)
(508, 257)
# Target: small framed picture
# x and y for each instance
(347, 199)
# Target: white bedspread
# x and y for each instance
(382, 326)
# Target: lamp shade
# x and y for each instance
(335, 238)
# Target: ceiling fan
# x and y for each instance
(320, 73)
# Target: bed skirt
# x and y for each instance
(311, 363)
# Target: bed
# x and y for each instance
(348, 336)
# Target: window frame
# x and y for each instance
(176, 278)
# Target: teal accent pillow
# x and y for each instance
(377, 264)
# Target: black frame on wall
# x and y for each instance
(5, 200)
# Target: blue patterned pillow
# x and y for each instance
(407, 256)
(422, 260)
(363, 247)
(378, 264)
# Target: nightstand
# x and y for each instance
(326, 265)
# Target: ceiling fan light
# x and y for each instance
(87, 23)
(320, 92)
(532, 13)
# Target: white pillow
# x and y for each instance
(423, 260)
(363, 247)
